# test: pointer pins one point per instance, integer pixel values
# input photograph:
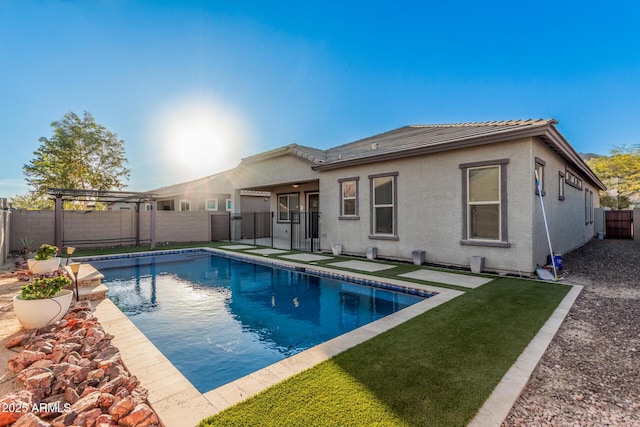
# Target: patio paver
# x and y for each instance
(306, 257)
(433, 276)
(362, 266)
(267, 251)
(237, 247)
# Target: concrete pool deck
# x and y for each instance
(179, 403)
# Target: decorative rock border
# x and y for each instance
(73, 376)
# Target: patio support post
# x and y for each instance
(137, 224)
(236, 215)
(152, 231)
(57, 218)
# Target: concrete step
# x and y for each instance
(90, 287)
(87, 275)
(90, 293)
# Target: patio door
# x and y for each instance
(313, 213)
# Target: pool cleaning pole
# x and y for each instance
(546, 227)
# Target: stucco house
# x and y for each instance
(211, 193)
(452, 190)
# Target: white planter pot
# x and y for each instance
(43, 267)
(476, 263)
(336, 249)
(38, 313)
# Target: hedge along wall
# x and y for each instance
(108, 228)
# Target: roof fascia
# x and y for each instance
(553, 137)
(291, 150)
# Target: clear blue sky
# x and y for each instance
(194, 86)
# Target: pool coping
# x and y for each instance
(178, 402)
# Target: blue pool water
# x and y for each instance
(218, 319)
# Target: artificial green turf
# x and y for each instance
(434, 370)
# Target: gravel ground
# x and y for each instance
(590, 374)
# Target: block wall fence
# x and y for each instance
(106, 228)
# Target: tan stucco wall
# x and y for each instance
(430, 208)
(272, 172)
(198, 200)
(566, 218)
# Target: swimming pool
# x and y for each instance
(218, 319)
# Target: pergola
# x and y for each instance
(61, 195)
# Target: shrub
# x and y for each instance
(46, 252)
(44, 287)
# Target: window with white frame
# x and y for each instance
(211, 204)
(228, 205)
(484, 186)
(349, 198)
(288, 205)
(384, 205)
(591, 206)
(560, 186)
(540, 175)
(185, 205)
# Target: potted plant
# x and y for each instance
(45, 260)
(26, 247)
(42, 301)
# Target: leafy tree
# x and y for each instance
(81, 154)
(620, 171)
(31, 200)
(613, 202)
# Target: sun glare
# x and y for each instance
(200, 137)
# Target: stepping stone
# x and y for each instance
(454, 279)
(362, 266)
(237, 247)
(306, 257)
(267, 251)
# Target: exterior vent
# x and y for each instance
(374, 146)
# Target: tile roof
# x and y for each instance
(423, 139)
(413, 137)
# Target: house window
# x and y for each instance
(586, 206)
(540, 175)
(228, 205)
(148, 207)
(571, 179)
(185, 205)
(484, 186)
(384, 206)
(560, 186)
(211, 205)
(288, 205)
(349, 198)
